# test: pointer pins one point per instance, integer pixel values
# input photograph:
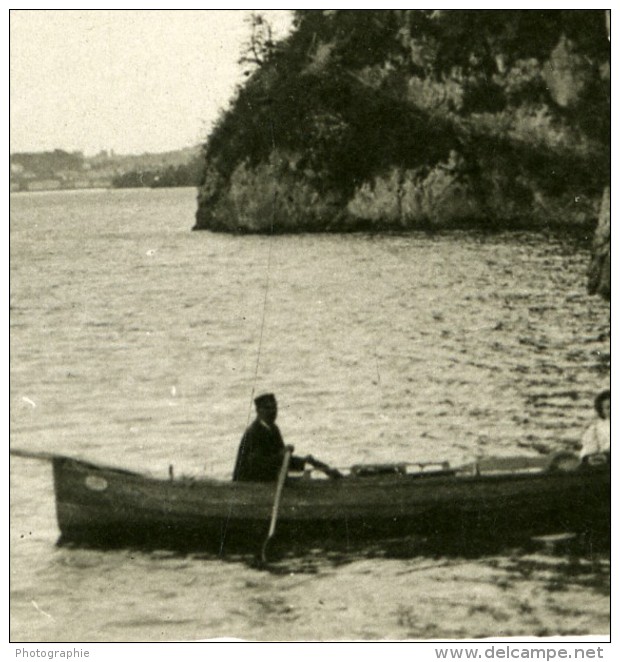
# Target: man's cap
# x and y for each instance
(265, 399)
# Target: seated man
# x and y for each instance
(261, 450)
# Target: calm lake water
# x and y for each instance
(137, 343)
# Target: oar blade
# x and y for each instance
(288, 452)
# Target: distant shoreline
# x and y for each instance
(42, 188)
(90, 188)
(59, 170)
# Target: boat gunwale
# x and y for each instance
(303, 484)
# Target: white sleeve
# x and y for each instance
(588, 442)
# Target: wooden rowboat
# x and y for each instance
(107, 507)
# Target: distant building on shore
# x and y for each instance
(61, 170)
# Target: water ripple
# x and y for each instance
(140, 341)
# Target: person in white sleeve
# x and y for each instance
(596, 439)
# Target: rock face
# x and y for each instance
(375, 120)
(599, 272)
(266, 198)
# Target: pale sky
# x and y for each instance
(128, 80)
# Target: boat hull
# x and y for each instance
(106, 507)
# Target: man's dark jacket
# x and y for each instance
(261, 453)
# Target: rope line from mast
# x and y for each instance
(267, 282)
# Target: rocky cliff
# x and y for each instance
(599, 272)
(403, 119)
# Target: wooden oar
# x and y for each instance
(288, 452)
(34, 455)
(520, 463)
